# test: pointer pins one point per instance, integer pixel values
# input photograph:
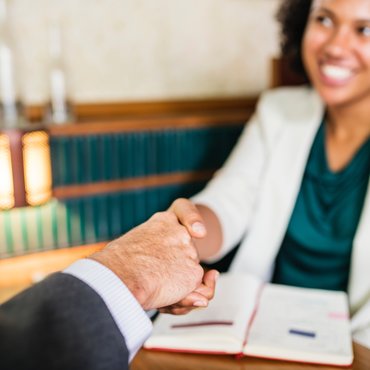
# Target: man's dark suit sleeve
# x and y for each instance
(60, 323)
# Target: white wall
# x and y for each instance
(117, 50)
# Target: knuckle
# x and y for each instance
(185, 236)
(157, 215)
(170, 216)
(165, 217)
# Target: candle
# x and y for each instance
(7, 76)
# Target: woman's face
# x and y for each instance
(336, 50)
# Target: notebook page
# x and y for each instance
(219, 327)
(301, 324)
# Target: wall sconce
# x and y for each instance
(26, 167)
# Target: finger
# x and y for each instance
(193, 299)
(189, 216)
(208, 287)
(210, 279)
(176, 311)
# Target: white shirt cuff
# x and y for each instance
(126, 311)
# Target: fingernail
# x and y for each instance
(198, 228)
(200, 304)
(217, 275)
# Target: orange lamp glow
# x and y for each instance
(26, 168)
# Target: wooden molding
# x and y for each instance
(144, 124)
(110, 110)
(85, 190)
(168, 107)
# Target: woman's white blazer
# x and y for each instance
(254, 193)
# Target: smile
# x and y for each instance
(336, 73)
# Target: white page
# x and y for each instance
(234, 302)
(301, 324)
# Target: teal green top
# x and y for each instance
(316, 250)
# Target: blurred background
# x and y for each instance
(120, 50)
(137, 102)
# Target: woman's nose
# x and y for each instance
(340, 43)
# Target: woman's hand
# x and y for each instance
(189, 216)
(202, 224)
(199, 298)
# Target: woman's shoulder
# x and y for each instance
(289, 91)
(290, 103)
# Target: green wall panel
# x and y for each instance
(83, 220)
(84, 159)
(94, 158)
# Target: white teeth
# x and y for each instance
(335, 72)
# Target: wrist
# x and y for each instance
(126, 273)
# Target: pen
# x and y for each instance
(202, 323)
(304, 333)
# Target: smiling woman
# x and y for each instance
(295, 190)
(336, 52)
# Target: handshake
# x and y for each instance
(159, 263)
(86, 307)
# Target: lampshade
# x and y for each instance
(26, 167)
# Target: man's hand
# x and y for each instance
(192, 219)
(158, 262)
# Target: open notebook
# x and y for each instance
(249, 318)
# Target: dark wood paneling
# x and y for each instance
(83, 190)
(143, 124)
(110, 110)
(110, 118)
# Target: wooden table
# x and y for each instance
(19, 272)
(151, 360)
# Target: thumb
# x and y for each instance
(188, 215)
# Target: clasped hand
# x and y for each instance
(188, 216)
(159, 264)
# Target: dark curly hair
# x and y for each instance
(292, 16)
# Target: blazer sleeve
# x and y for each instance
(233, 191)
(60, 323)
